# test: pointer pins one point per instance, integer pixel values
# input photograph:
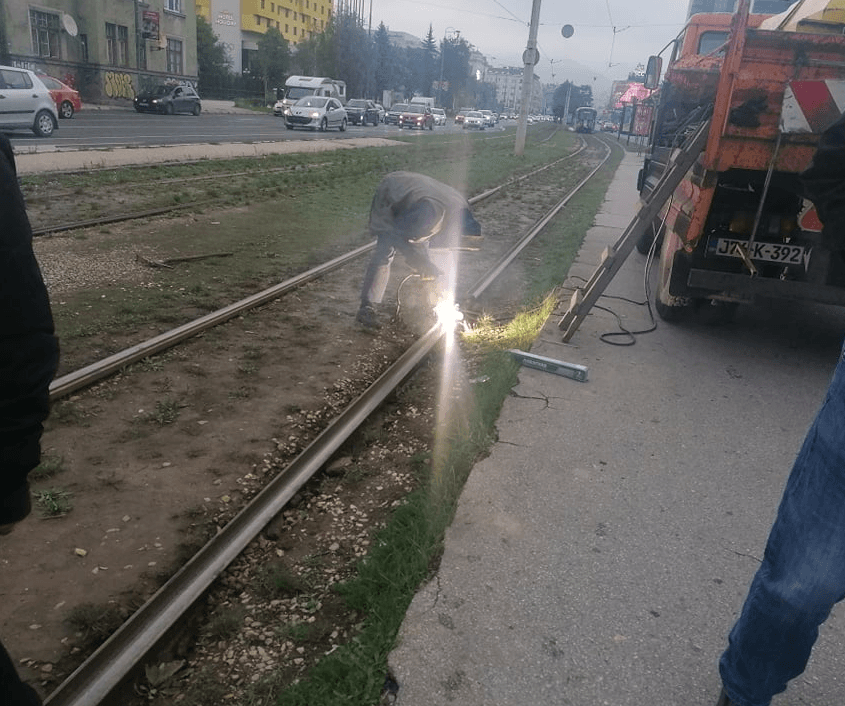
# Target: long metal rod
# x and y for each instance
(104, 671)
(102, 368)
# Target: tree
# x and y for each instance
(455, 71)
(385, 61)
(430, 63)
(212, 61)
(272, 59)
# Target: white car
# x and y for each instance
(381, 112)
(439, 116)
(474, 119)
(316, 113)
(489, 118)
(26, 103)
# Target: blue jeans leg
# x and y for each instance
(803, 570)
(378, 273)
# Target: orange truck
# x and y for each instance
(736, 227)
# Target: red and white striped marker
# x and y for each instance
(812, 106)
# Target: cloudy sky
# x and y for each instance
(611, 36)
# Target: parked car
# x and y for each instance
(474, 119)
(317, 113)
(360, 111)
(416, 115)
(439, 116)
(66, 98)
(381, 112)
(26, 102)
(169, 99)
(393, 113)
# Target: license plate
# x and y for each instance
(783, 253)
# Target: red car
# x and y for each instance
(416, 115)
(66, 98)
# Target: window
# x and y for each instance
(111, 44)
(117, 44)
(174, 56)
(44, 27)
(710, 41)
(10, 78)
(173, 6)
(123, 45)
(83, 47)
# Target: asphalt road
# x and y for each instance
(98, 129)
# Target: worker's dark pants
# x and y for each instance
(802, 574)
(378, 271)
(14, 691)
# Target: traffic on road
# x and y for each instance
(98, 129)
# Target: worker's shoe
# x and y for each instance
(366, 316)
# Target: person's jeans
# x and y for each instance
(803, 570)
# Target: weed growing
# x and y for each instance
(53, 502)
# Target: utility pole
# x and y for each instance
(530, 57)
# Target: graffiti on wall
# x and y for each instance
(118, 85)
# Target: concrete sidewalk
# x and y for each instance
(601, 552)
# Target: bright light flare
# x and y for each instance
(447, 312)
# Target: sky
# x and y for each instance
(611, 36)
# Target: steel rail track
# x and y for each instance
(478, 288)
(104, 673)
(89, 374)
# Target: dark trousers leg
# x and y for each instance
(13, 692)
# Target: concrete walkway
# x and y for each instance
(601, 552)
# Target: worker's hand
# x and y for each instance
(429, 273)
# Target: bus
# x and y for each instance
(585, 119)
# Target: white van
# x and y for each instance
(25, 102)
(297, 87)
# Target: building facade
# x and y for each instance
(107, 50)
(239, 24)
(508, 83)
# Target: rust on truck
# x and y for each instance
(737, 226)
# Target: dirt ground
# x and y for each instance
(151, 460)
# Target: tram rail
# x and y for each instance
(103, 673)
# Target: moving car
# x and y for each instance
(316, 113)
(381, 112)
(416, 115)
(26, 102)
(474, 119)
(489, 118)
(360, 111)
(169, 99)
(66, 98)
(439, 116)
(393, 113)
(460, 116)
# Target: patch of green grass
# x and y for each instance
(225, 622)
(275, 580)
(96, 622)
(51, 465)
(165, 412)
(53, 502)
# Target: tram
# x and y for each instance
(585, 119)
